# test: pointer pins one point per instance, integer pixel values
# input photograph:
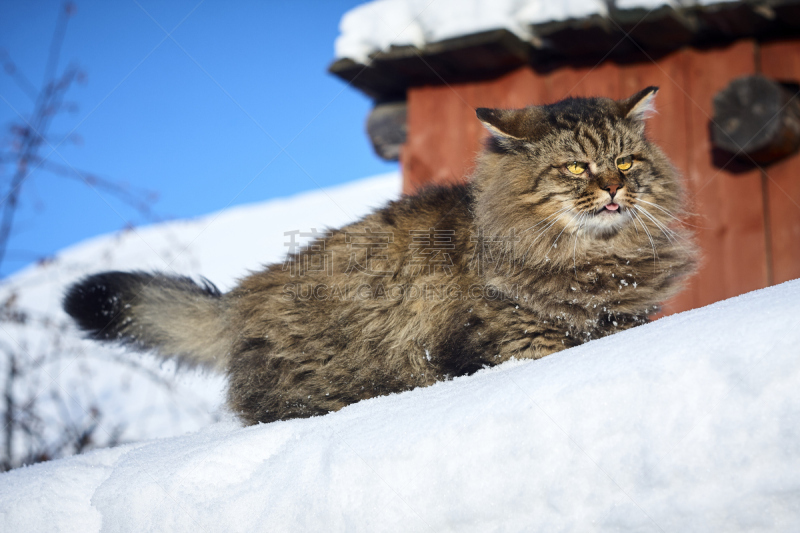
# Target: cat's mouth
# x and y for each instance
(608, 219)
(612, 209)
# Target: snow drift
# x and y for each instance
(690, 423)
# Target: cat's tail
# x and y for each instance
(171, 315)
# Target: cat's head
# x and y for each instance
(580, 168)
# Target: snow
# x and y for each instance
(221, 246)
(690, 423)
(380, 24)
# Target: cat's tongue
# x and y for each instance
(612, 207)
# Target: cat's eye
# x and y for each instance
(576, 168)
(624, 163)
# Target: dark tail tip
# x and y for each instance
(98, 303)
(102, 304)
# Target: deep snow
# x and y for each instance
(690, 423)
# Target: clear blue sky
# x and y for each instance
(201, 120)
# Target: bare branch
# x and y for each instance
(58, 41)
(138, 199)
(41, 419)
(22, 81)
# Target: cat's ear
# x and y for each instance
(639, 106)
(504, 124)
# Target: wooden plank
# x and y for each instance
(781, 61)
(600, 80)
(442, 138)
(520, 88)
(729, 206)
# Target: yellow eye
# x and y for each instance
(576, 168)
(624, 163)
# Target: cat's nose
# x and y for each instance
(612, 188)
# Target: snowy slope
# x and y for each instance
(690, 423)
(221, 247)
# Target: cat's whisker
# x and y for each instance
(664, 229)
(636, 228)
(652, 243)
(669, 214)
(675, 236)
(668, 233)
(575, 246)
(546, 219)
(542, 221)
(565, 227)
(660, 208)
(562, 210)
(584, 234)
(538, 236)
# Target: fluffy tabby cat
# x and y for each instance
(563, 234)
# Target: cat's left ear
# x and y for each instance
(512, 129)
(504, 124)
(639, 106)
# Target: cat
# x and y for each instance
(567, 230)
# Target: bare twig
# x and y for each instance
(39, 422)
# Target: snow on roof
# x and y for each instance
(689, 423)
(380, 24)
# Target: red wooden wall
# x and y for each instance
(748, 223)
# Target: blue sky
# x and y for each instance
(200, 120)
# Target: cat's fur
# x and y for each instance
(522, 261)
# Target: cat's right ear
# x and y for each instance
(503, 124)
(641, 105)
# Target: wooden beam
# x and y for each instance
(386, 127)
(756, 118)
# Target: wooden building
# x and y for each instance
(747, 216)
